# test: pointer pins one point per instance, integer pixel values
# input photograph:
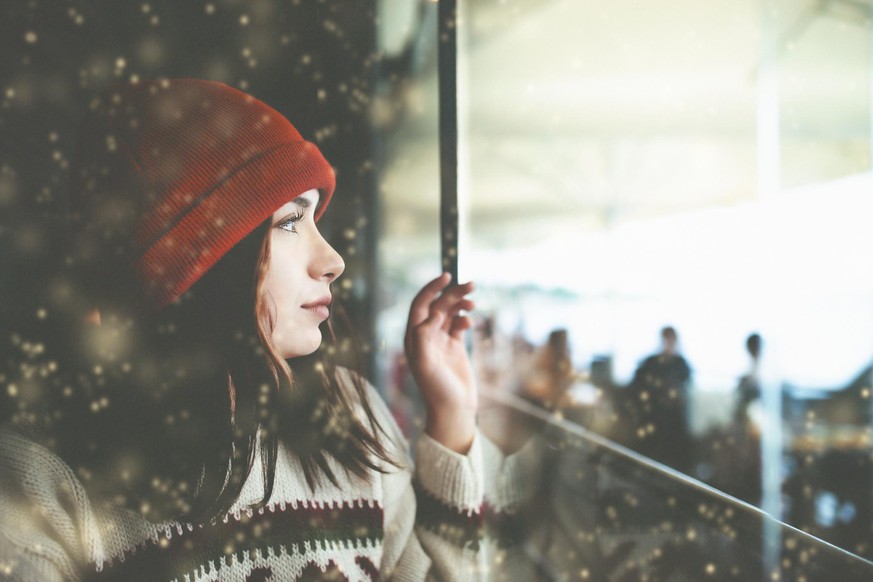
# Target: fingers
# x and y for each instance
(459, 325)
(420, 308)
(438, 306)
(444, 319)
(454, 311)
(451, 302)
(451, 296)
(435, 296)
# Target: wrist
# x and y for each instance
(453, 429)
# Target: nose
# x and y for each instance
(327, 263)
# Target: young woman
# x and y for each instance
(204, 432)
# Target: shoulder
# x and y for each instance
(46, 513)
(651, 360)
(31, 468)
(359, 390)
(397, 443)
(20, 452)
(349, 380)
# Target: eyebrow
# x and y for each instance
(302, 202)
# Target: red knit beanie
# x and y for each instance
(190, 167)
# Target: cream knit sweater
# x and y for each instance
(423, 524)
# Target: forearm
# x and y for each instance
(454, 428)
(464, 518)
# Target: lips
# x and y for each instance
(320, 308)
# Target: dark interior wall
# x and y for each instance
(314, 60)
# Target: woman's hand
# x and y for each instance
(439, 361)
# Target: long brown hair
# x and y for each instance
(168, 413)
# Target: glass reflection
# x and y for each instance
(598, 511)
(629, 169)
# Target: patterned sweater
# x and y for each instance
(422, 524)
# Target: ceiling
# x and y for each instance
(583, 114)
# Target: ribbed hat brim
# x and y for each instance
(216, 220)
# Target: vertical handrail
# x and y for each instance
(769, 185)
(447, 58)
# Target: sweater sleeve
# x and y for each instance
(451, 517)
(47, 529)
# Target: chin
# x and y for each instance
(300, 347)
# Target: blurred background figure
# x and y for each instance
(744, 479)
(551, 373)
(730, 456)
(657, 401)
(749, 387)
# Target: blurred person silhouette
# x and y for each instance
(749, 388)
(657, 402)
(551, 373)
(733, 452)
(488, 359)
(745, 475)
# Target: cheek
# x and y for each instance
(293, 332)
(281, 281)
(286, 267)
(282, 300)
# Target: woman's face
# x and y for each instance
(297, 283)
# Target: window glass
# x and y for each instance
(665, 209)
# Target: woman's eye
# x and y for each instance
(290, 223)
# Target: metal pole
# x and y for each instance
(447, 56)
(769, 185)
